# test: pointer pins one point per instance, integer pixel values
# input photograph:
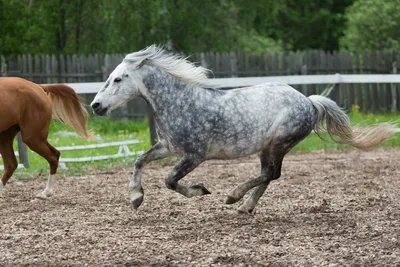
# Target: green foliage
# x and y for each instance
(303, 24)
(121, 26)
(189, 26)
(372, 25)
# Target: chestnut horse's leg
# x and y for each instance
(34, 136)
(52, 155)
(7, 153)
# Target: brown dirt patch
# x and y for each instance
(327, 209)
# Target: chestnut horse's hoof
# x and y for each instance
(44, 195)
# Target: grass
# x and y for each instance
(108, 130)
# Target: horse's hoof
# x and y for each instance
(204, 191)
(136, 200)
(44, 195)
(231, 200)
(242, 210)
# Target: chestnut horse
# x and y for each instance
(29, 108)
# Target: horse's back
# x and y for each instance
(17, 88)
(20, 100)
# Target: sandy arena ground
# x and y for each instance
(328, 209)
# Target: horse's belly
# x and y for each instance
(240, 149)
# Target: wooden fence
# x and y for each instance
(370, 97)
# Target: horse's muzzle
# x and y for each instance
(98, 109)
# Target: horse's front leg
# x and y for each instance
(187, 164)
(158, 151)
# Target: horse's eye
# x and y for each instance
(117, 80)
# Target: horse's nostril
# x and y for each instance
(96, 105)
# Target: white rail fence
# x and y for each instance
(94, 87)
(123, 151)
(91, 88)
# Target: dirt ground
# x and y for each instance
(328, 209)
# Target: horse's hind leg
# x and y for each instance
(271, 169)
(52, 155)
(250, 203)
(187, 164)
(271, 164)
(8, 155)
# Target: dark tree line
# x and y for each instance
(112, 26)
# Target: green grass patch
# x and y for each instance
(106, 130)
(111, 130)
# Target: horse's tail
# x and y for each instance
(340, 130)
(68, 108)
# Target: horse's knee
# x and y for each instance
(57, 154)
(10, 167)
(139, 163)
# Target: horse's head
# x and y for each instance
(127, 80)
(121, 86)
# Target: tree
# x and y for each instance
(12, 28)
(372, 25)
(304, 24)
(122, 26)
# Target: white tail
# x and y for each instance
(339, 128)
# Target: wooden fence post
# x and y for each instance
(23, 151)
(394, 90)
(233, 64)
(3, 67)
(304, 87)
(106, 67)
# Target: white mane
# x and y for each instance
(176, 65)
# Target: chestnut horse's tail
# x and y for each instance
(68, 108)
(340, 130)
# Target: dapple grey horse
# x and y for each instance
(199, 122)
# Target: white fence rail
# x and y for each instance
(91, 88)
(123, 151)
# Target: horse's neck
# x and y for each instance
(165, 91)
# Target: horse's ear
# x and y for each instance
(144, 61)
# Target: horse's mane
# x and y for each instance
(176, 65)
